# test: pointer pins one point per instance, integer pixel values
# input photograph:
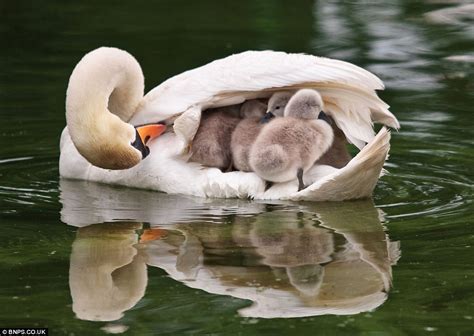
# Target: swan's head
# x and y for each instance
(104, 91)
(115, 144)
(305, 104)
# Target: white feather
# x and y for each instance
(347, 88)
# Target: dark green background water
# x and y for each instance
(427, 198)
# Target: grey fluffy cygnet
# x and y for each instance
(278, 102)
(211, 144)
(287, 147)
(337, 155)
(252, 108)
(245, 133)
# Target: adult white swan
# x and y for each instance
(105, 100)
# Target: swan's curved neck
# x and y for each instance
(104, 91)
(105, 78)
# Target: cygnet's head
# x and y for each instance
(305, 104)
(252, 109)
(278, 101)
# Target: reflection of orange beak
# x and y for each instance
(150, 131)
(152, 234)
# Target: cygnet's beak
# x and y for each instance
(324, 116)
(267, 117)
(145, 133)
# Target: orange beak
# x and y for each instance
(150, 131)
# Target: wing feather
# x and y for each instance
(348, 90)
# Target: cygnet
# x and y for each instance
(287, 147)
(211, 144)
(252, 112)
(278, 102)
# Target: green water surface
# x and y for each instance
(400, 264)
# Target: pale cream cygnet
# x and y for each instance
(337, 155)
(287, 147)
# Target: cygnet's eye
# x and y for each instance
(277, 108)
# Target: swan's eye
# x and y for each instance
(277, 108)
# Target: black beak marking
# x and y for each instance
(267, 117)
(324, 116)
(138, 144)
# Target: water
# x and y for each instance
(220, 266)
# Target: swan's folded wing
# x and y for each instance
(348, 90)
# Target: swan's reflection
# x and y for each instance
(107, 274)
(291, 260)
